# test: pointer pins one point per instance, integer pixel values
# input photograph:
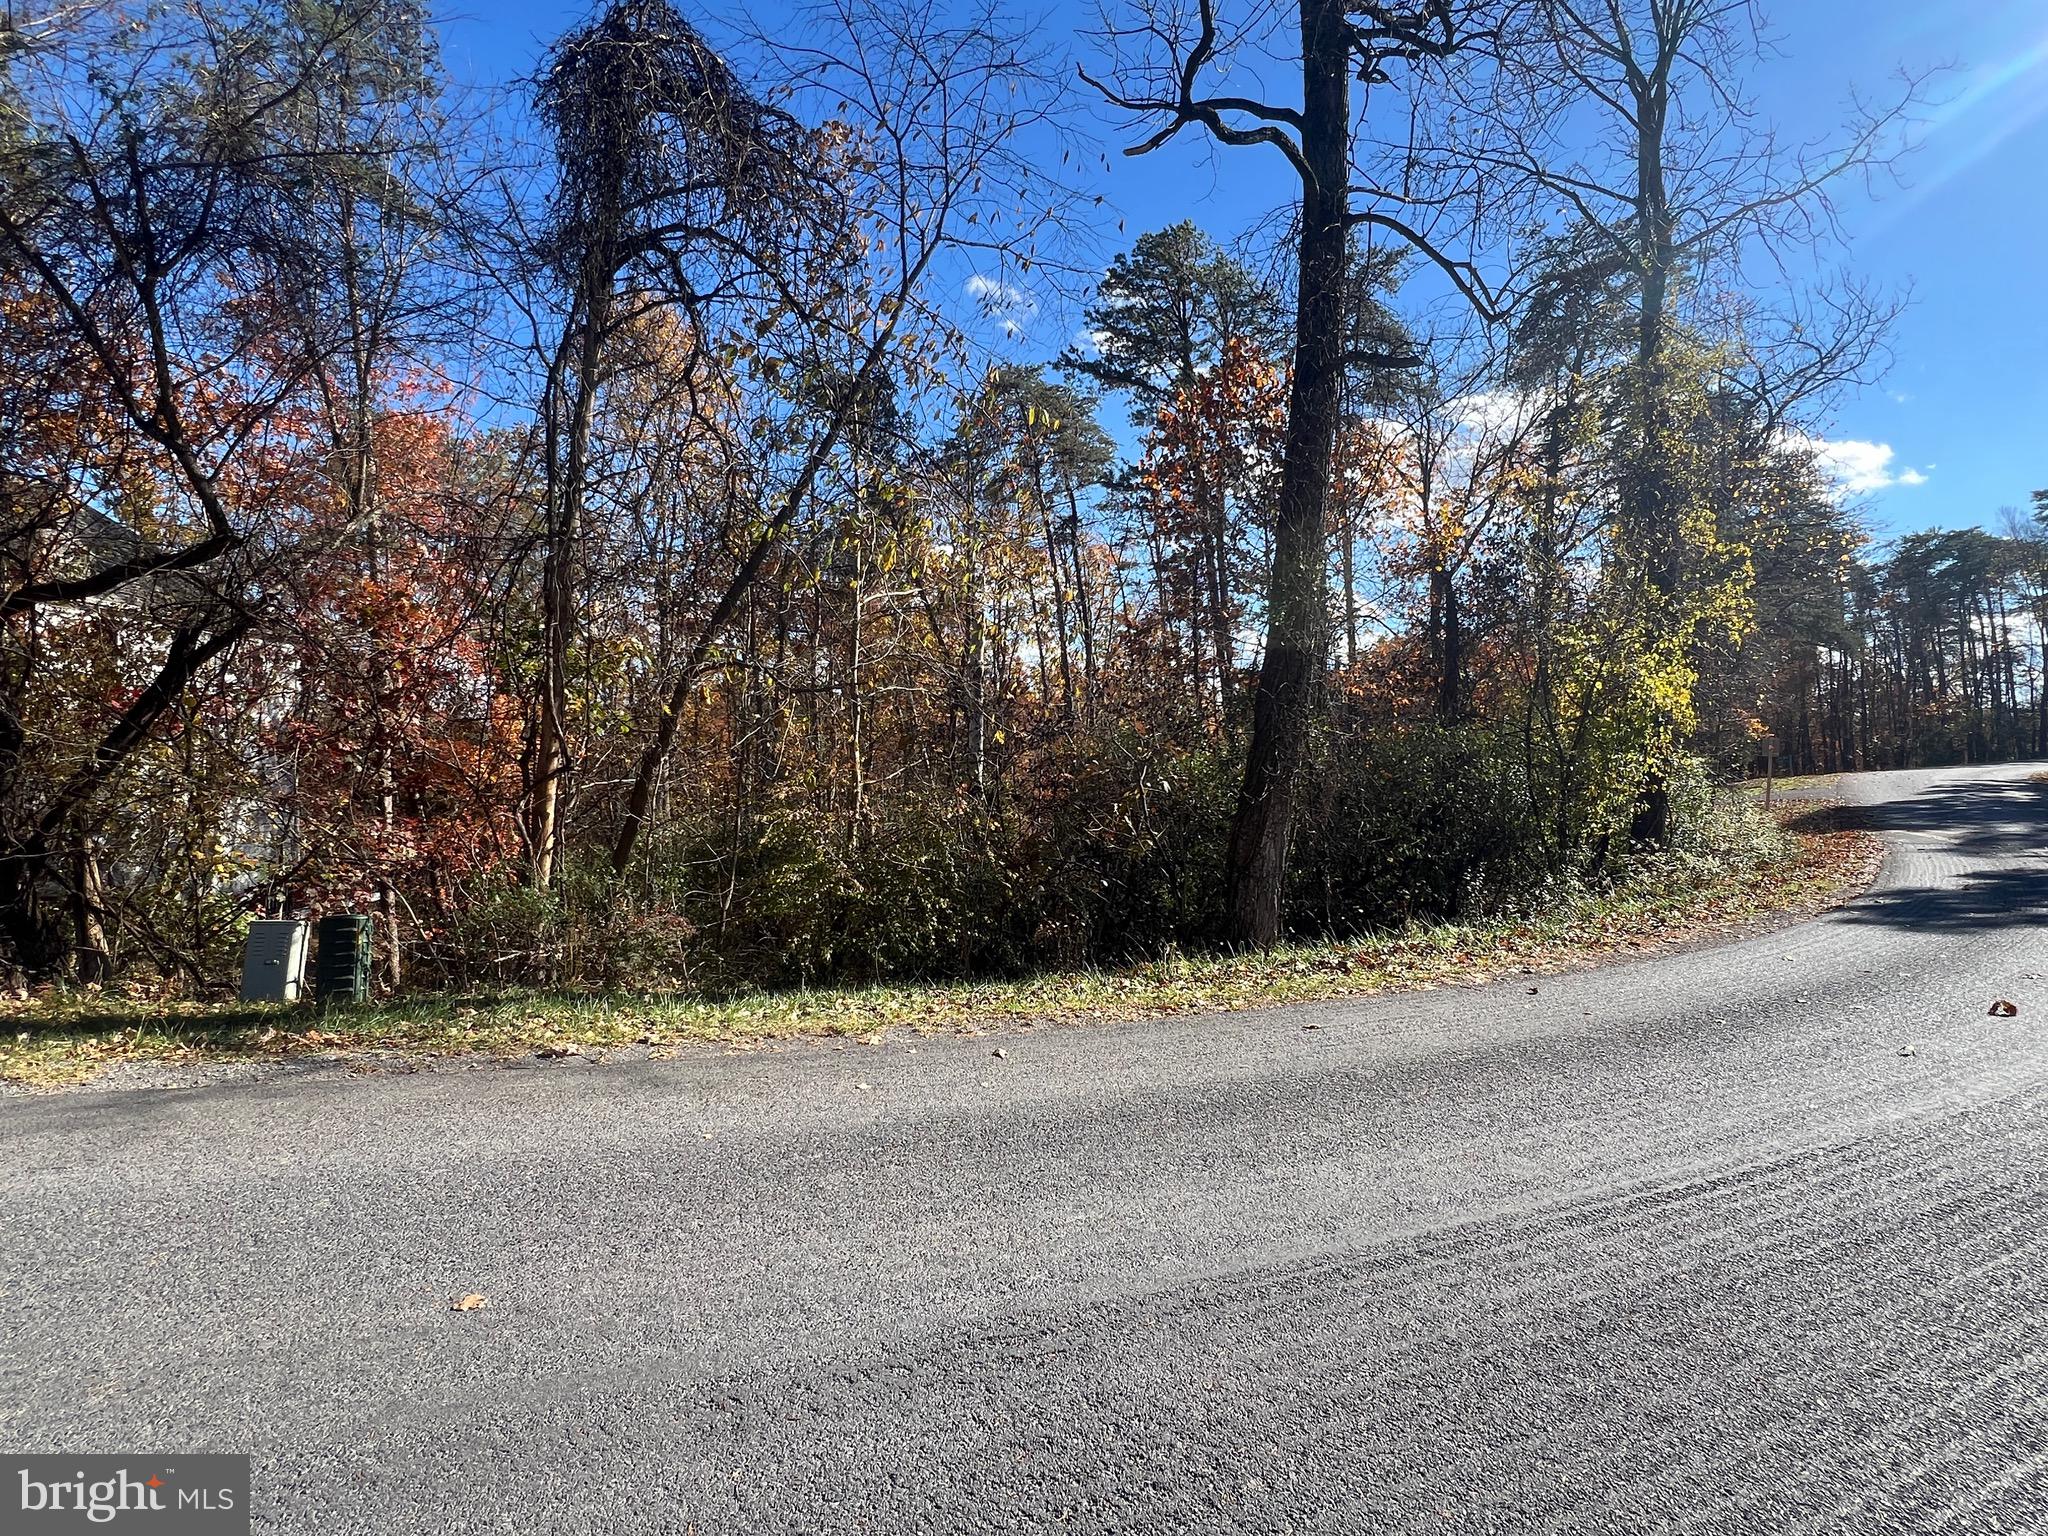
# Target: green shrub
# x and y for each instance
(1114, 851)
(1428, 822)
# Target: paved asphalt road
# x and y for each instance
(1684, 1243)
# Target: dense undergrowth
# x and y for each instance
(1107, 860)
(1735, 867)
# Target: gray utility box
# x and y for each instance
(274, 964)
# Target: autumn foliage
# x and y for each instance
(657, 553)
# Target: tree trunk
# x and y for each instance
(1350, 554)
(1081, 603)
(95, 959)
(558, 601)
(1450, 692)
(1216, 577)
(1654, 518)
(976, 668)
(29, 860)
(1263, 829)
(856, 712)
(1058, 576)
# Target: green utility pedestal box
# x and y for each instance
(341, 962)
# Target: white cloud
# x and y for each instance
(1499, 412)
(1005, 303)
(996, 292)
(1856, 467)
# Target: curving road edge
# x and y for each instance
(1740, 1238)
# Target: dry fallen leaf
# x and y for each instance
(470, 1303)
(556, 1052)
(2004, 1008)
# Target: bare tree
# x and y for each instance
(1454, 449)
(1688, 182)
(1349, 177)
(933, 120)
(674, 183)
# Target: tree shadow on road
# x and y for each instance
(2000, 822)
(1979, 901)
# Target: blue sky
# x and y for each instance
(1956, 430)
(1967, 399)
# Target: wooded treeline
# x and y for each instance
(1924, 650)
(635, 529)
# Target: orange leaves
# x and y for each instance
(1219, 437)
(405, 757)
(1211, 461)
